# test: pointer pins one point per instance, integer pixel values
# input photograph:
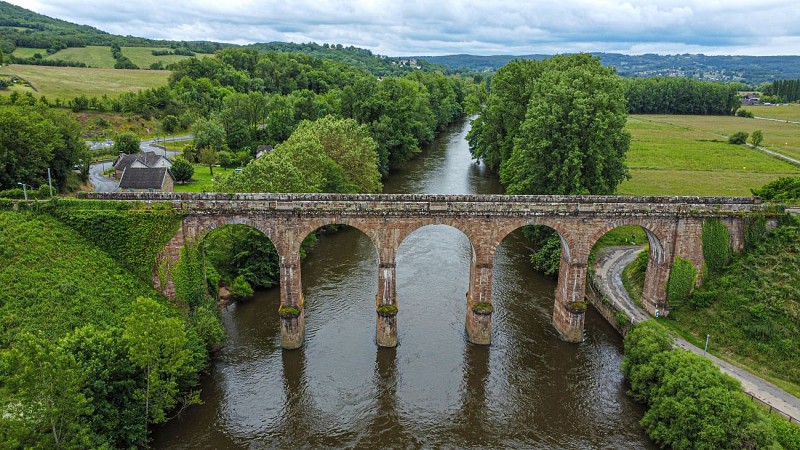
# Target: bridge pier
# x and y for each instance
(386, 305)
(570, 304)
(478, 322)
(292, 312)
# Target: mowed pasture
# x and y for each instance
(790, 111)
(143, 56)
(688, 155)
(70, 82)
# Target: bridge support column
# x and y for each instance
(570, 304)
(386, 304)
(478, 322)
(654, 291)
(292, 311)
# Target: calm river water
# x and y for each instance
(528, 390)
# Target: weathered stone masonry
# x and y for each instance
(672, 224)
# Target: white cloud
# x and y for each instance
(452, 26)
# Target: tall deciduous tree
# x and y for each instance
(126, 143)
(156, 346)
(573, 139)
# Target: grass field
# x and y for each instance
(781, 137)
(143, 56)
(27, 52)
(70, 82)
(781, 112)
(92, 56)
(202, 180)
(687, 155)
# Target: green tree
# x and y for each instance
(182, 170)
(156, 346)
(350, 146)
(209, 156)
(169, 123)
(126, 143)
(756, 138)
(208, 133)
(573, 139)
(27, 143)
(47, 389)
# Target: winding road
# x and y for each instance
(608, 279)
(105, 184)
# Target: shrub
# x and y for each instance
(240, 288)
(756, 138)
(744, 113)
(738, 138)
(716, 245)
(182, 170)
(681, 282)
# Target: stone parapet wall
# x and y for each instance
(411, 205)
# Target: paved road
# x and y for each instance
(103, 184)
(608, 276)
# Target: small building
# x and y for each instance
(263, 150)
(141, 160)
(146, 179)
(749, 100)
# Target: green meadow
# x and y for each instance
(143, 56)
(689, 155)
(70, 82)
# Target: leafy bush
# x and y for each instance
(182, 170)
(756, 138)
(240, 288)
(716, 244)
(681, 281)
(738, 138)
(782, 189)
(691, 403)
(744, 113)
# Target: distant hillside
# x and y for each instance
(28, 30)
(361, 58)
(20, 27)
(746, 69)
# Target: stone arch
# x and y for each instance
(367, 229)
(657, 236)
(200, 228)
(568, 241)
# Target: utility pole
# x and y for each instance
(50, 182)
(706, 347)
(24, 191)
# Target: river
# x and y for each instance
(528, 389)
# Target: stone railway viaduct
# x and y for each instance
(672, 224)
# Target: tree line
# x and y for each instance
(672, 95)
(785, 90)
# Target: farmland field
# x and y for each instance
(143, 56)
(92, 56)
(781, 112)
(687, 155)
(27, 52)
(69, 82)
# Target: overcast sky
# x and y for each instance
(440, 27)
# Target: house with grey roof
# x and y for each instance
(146, 179)
(141, 160)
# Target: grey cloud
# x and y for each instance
(454, 26)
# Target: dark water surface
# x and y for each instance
(528, 390)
